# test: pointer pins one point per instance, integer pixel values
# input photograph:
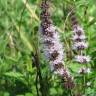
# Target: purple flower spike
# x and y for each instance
(53, 48)
(79, 42)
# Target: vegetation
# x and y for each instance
(24, 70)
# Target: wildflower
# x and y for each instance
(80, 45)
(78, 38)
(82, 59)
(84, 70)
(53, 48)
(79, 42)
(78, 30)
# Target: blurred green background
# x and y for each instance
(19, 23)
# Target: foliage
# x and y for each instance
(19, 23)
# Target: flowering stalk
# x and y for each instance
(79, 44)
(53, 49)
(79, 39)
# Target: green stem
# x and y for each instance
(84, 83)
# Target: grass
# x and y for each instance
(19, 44)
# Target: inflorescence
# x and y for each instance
(53, 48)
(79, 40)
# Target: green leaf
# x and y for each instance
(13, 74)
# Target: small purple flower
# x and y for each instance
(78, 38)
(77, 29)
(82, 59)
(80, 45)
(84, 70)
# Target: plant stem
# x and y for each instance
(37, 63)
(37, 84)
